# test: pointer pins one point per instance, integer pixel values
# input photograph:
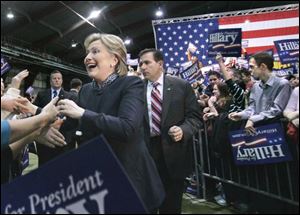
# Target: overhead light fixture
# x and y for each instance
(127, 41)
(10, 15)
(159, 13)
(94, 14)
(73, 44)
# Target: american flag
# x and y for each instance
(259, 31)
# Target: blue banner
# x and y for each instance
(4, 65)
(192, 73)
(225, 41)
(288, 50)
(88, 180)
(173, 71)
(267, 146)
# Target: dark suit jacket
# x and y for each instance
(116, 111)
(179, 108)
(45, 153)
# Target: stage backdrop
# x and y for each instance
(260, 28)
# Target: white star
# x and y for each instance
(166, 54)
(203, 56)
(167, 64)
(185, 42)
(180, 37)
(206, 30)
(270, 141)
(169, 28)
(170, 49)
(180, 48)
(174, 32)
(177, 64)
(209, 62)
(179, 27)
(201, 35)
(164, 33)
(176, 53)
(275, 141)
(171, 59)
(211, 24)
(206, 40)
(197, 52)
(202, 46)
(165, 44)
(170, 38)
(184, 31)
(200, 25)
(159, 29)
(191, 36)
(280, 139)
(196, 41)
(195, 31)
(160, 39)
(189, 26)
(161, 49)
(181, 58)
(175, 43)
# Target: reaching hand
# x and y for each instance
(51, 137)
(235, 116)
(15, 105)
(50, 110)
(219, 58)
(17, 80)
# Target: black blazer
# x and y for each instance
(116, 111)
(180, 108)
(45, 153)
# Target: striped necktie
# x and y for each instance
(156, 110)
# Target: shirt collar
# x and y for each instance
(270, 82)
(160, 80)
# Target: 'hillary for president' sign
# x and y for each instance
(267, 146)
(88, 180)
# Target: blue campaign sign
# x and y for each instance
(88, 180)
(288, 50)
(192, 73)
(225, 41)
(267, 146)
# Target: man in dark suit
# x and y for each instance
(43, 98)
(75, 85)
(172, 117)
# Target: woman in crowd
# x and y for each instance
(113, 105)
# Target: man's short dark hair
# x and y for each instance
(75, 82)
(244, 72)
(157, 55)
(211, 72)
(264, 58)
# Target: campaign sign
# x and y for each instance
(89, 180)
(225, 41)
(4, 65)
(267, 146)
(288, 50)
(192, 73)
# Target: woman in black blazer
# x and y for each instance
(112, 105)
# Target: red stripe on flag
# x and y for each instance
(270, 32)
(259, 17)
(251, 50)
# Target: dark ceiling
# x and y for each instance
(50, 26)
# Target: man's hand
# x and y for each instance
(176, 133)
(15, 105)
(249, 128)
(235, 116)
(51, 137)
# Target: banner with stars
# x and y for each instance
(267, 146)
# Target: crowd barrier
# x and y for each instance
(278, 181)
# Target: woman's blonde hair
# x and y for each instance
(114, 45)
